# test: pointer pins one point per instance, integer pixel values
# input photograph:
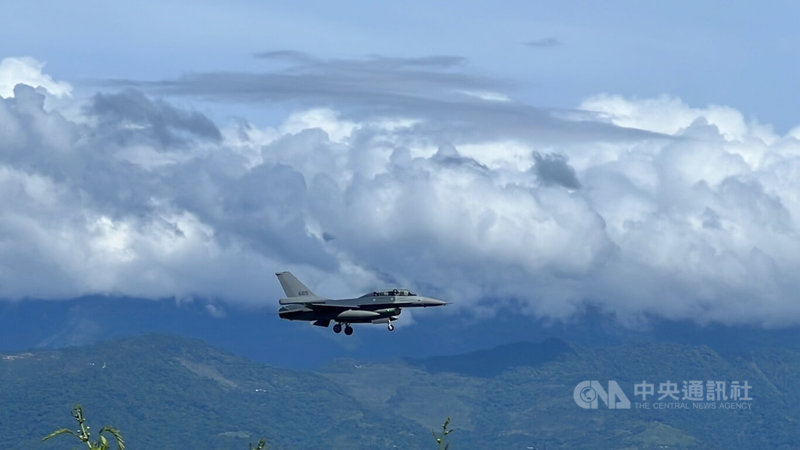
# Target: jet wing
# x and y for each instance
(330, 307)
(343, 312)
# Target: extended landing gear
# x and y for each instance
(391, 327)
(348, 330)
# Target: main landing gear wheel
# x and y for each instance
(391, 327)
(348, 330)
(337, 328)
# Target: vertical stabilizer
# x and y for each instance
(294, 288)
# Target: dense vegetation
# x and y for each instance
(168, 392)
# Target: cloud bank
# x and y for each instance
(28, 71)
(386, 172)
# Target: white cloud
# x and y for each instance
(700, 223)
(28, 71)
(666, 115)
(488, 96)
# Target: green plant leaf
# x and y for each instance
(57, 432)
(117, 436)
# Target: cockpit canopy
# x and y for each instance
(391, 292)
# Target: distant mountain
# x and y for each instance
(491, 362)
(168, 392)
(529, 399)
(172, 392)
(507, 382)
(258, 333)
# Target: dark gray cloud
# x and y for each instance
(548, 42)
(553, 168)
(465, 106)
(129, 114)
(448, 155)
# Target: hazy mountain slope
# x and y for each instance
(258, 334)
(530, 404)
(168, 392)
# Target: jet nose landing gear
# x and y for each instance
(391, 327)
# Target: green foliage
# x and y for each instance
(168, 392)
(262, 444)
(83, 434)
(532, 406)
(441, 438)
(171, 392)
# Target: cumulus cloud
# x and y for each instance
(28, 71)
(131, 110)
(554, 169)
(639, 207)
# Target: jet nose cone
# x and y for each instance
(433, 302)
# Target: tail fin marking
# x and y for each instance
(296, 291)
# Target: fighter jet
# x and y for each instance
(374, 307)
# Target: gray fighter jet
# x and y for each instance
(375, 307)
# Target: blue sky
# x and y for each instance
(741, 55)
(540, 156)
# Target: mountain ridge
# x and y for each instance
(151, 385)
(493, 361)
(168, 391)
(258, 334)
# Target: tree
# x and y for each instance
(83, 434)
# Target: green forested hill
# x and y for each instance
(531, 405)
(169, 392)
